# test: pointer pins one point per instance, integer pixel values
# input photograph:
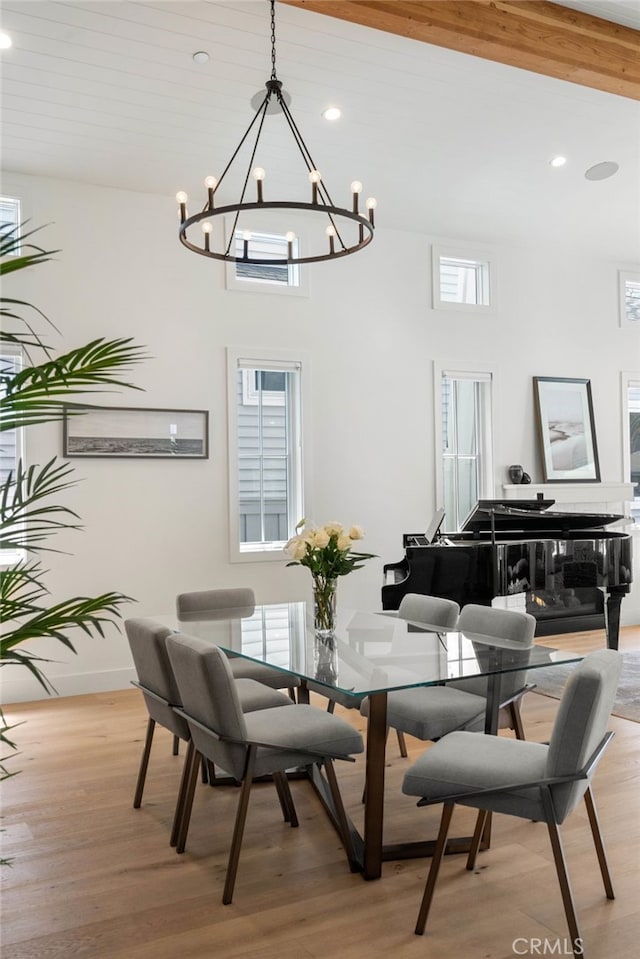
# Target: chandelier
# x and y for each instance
(346, 230)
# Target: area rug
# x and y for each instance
(550, 682)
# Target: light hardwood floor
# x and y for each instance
(92, 877)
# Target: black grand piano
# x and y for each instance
(563, 563)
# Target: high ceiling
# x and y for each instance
(108, 93)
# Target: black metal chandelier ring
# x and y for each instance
(365, 235)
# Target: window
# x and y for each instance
(629, 288)
(462, 279)
(9, 211)
(265, 452)
(11, 441)
(631, 437)
(464, 432)
(285, 278)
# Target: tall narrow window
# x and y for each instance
(465, 442)
(265, 453)
(631, 437)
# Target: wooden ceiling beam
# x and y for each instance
(534, 35)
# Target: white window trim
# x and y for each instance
(275, 359)
(460, 371)
(462, 251)
(255, 286)
(624, 277)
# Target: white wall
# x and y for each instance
(154, 528)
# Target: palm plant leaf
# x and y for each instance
(31, 395)
(24, 520)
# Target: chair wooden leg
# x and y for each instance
(599, 844)
(515, 719)
(402, 743)
(478, 833)
(331, 705)
(209, 772)
(238, 829)
(286, 799)
(144, 763)
(176, 745)
(192, 778)
(292, 693)
(565, 886)
(341, 816)
(184, 783)
(436, 859)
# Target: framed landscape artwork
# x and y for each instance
(566, 430)
(127, 432)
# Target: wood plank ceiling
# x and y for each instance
(534, 35)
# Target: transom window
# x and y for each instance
(462, 279)
(629, 299)
(287, 278)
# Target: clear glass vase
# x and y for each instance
(324, 605)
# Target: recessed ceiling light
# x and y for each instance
(332, 113)
(602, 170)
(5, 40)
(558, 161)
(201, 56)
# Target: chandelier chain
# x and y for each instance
(273, 40)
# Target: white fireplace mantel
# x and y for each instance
(583, 497)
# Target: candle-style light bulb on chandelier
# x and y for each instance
(346, 230)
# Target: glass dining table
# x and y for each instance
(367, 655)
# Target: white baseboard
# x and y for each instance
(18, 686)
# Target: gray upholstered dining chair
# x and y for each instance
(533, 781)
(430, 712)
(248, 745)
(221, 603)
(155, 680)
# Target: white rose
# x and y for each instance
(332, 527)
(299, 549)
(321, 538)
(344, 543)
(356, 532)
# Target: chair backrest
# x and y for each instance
(209, 695)
(206, 603)
(581, 723)
(147, 641)
(432, 610)
(503, 624)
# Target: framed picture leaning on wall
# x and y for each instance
(119, 431)
(566, 430)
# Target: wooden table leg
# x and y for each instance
(374, 786)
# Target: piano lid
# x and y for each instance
(530, 516)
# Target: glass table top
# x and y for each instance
(367, 653)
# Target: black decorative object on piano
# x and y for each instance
(562, 562)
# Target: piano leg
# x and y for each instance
(614, 599)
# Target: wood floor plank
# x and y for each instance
(92, 878)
